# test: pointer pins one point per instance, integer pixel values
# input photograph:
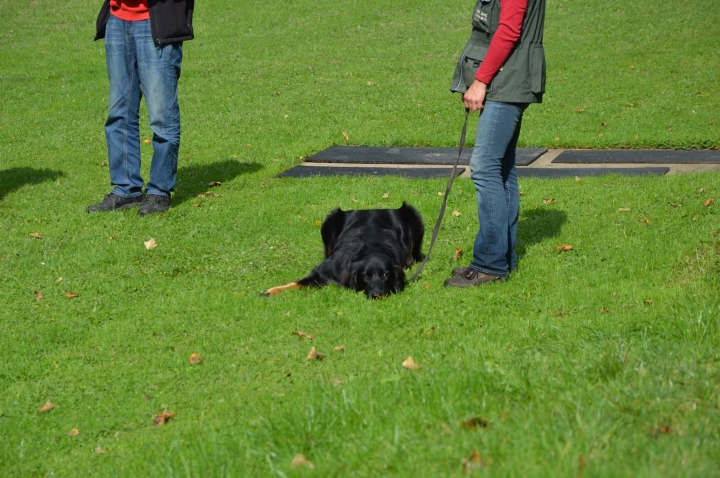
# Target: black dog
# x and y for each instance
(366, 250)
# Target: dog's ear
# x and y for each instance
(398, 279)
(352, 278)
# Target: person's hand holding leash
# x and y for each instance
(474, 98)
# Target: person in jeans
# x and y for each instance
(143, 46)
(501, 71)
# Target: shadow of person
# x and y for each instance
(194, 180)
(14, 178)
(536, 225)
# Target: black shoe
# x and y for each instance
(112, 202)
(471, 278)
(458, 271)
(154, 203)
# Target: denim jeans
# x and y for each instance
(137, 66)
(492, 169)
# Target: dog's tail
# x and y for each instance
(273, 291)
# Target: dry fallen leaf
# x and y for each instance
(314, 354)
(195, 359)
(649, 301)
(71, 295)
(458, 253)
(474, 422)
(410, 364)
(302, 334)
(473, 462)
(346, 136)
(36, 235)
(339, 348)
(47, 407)
(318, 223)
(197, 204)
(300, 460)
(625, 209)
(581, 463)
(456, 213)
(564, 247)
(604, 311)
(709, 202)
(645, 221)
(663, 429)
(386, 196)
(38, 295)
(215, 184)
(162, 418)
(146, 141)
(99, 450)
(151, 244)
(335, 381)
(73, 433)
(205, 194)
(549, 201)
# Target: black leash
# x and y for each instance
(444, 202)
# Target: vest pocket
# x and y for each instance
(537, 68)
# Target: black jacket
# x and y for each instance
(170, 20)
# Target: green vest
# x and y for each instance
(522, 77)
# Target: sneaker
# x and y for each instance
(154, 203)
(471, 278)
(112, 202)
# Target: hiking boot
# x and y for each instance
(112, 202)
(458, 271)
(471, 278)
(154, 203)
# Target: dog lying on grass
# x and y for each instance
(366, 250)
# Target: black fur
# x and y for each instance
(368, 250)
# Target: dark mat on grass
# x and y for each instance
(645, 156)
(412, 173)
(378, 155)
(559, 173)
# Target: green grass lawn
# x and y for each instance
(600, 361)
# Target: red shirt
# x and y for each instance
(130, 10)
(512, 14)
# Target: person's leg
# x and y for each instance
(122, 128)
(492, 166)
(159, 69)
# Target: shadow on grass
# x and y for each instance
(194, 180)
(14, 178)
(537, 225)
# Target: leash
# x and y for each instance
(444, 202)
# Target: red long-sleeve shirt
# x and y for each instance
(512, 14)
(130, 10)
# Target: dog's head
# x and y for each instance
(378, 276)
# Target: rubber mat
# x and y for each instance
(411, 173)
(559, 173)
(378, 155)
(640, 156)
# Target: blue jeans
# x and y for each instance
(492, 169)
(137, 66)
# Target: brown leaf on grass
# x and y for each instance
(214, 184)
(314, 354)
(472, 463)
(456, 213)
(197, 204)
(195, 359)
(645, 221)
(474, 422)
(151, 244)
(47, 407)
(36, 235)
(38, 296)
(318, 223)
(605, 311)
(335, 381)
(73, 433)
(302, 334)
(71, 295)
(625, 209)
(564, 247)
(339, 348)
(648, 301)
(386, 196)
(549, 201)
(410, 364)
(663, 429)
(346, 136)
(146, 141)
(112, 238)
(581, 463)
(708, 202)
(458, 254)
(99, 450)
(205, 194)
(300, 460)
(163, 418)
